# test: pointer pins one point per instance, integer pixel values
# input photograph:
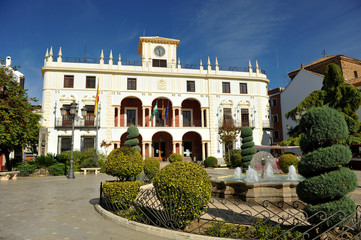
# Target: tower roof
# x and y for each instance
(156, 39)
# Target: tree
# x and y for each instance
(228, 133)
(132, 138)
(19, 126)
(335, 93)
(248, 149)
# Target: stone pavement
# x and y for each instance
(57, 208)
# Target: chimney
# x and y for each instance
(8, 61)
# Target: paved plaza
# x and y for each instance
(60, 208)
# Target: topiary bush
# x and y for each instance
(25, 170)
(184, 189)
(210, 161)
(57, 169)
(327, 182)
(236, 157)
(248, 149)
(124, 163)
(132, 138)
(121, 194)
(286, 160)
(175, 157)
(45, 161)
(151, 167)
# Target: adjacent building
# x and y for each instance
(276, 114)
(192, 101)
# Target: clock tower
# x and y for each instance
(158, 51)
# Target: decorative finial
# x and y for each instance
(209, 62)
(257, 64)
(200, 62)
(216, 61)
(111, 55)
(178, 61)
(249, 64)
(60, 53)
(102, 55)
(51, 52)
(47, 53)
(119, 58)
(302, 65)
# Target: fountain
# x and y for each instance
(260, 181)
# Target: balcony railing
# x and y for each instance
(65, 122)
(236, 123)
(138, 63)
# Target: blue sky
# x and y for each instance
(279, 34)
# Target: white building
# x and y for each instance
(304, 83)
(199, 99)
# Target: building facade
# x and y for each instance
(276, 114)
(192, 102)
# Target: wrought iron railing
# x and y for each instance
(66, 122)
(234, 218)
(139, 63)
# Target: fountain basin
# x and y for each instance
(271, 190)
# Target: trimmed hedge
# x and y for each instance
(314, 163)
(124, 163)
(132, 138)
(248, 149)
(184, 189)
(344, 206)
(327, 186)
(121, 194)
(25, 170)
(286, 160)
(175, 157)
(236, 159)
(327, 183)
(151, 167)
(210, 161)
(57, 169)
(323, 127)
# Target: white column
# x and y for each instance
(143, 112)
(180, 118)
(150, 150)
(143, 150)
(202, 117)
(119, 116)
(174, 147)
(173, 111)
(203, 151)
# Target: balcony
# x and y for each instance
(65, 122)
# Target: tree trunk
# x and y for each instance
(8, 163)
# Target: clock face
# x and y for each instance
(159, 51)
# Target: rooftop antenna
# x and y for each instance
(323, 53)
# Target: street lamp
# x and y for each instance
(299, 115)
(72, 114)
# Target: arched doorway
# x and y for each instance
(192, 146)
(191, 113)
(162, 145)
(164, 116)
(124, 136)
(131, 112)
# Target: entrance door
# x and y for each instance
(159, 152)
(187, 149)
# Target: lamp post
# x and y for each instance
(73, 113)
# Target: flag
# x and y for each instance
(96, 101)
(166, 111)
(155, 109)
(163, 111)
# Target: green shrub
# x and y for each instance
(63, 157)
(326, 186)
(236, 160)
(25, 170)
(132, 138)
(124, 163)
(57, 169)
(184, 189)
(286, 160)
(210, 161)
(175, 157)
(313, 163)
(338, 209)
(121, 194)
(327, 183)
(151, 167)
(45, 161)
(323, 127)
(248, 149)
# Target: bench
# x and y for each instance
(90, 169)
(9, 175)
